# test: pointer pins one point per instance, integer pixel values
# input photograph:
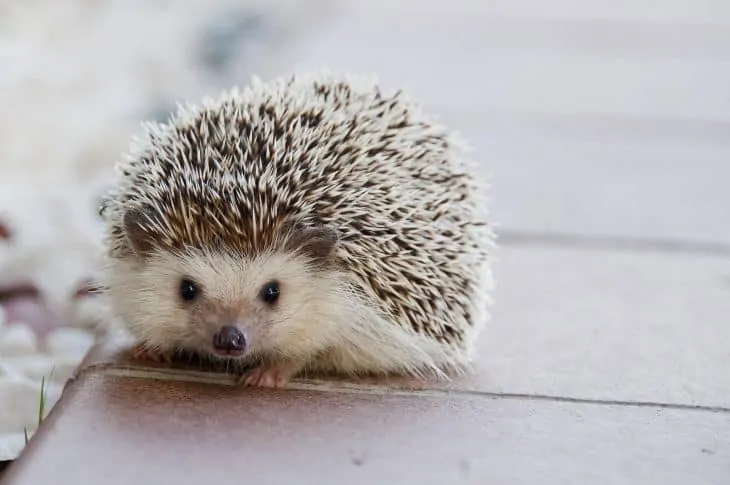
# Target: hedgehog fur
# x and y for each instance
(365, 212)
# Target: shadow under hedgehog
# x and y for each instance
(309, 223)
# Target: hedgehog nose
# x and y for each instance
(229, 340)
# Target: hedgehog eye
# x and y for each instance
(189, 289)
(270, 292)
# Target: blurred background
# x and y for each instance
(601, 123)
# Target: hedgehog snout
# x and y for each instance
(230, 341)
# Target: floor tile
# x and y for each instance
(456, 60)
(605, 129)
(177, 432)
(609, 325)
(638, 190)
(690, 11)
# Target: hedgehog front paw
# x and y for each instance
(144, 353)
(273, 376)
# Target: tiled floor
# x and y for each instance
(127, 424)
(596, 118)
(604, 362)
(182, 432)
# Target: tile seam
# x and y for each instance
(318, 385)
(519, 238)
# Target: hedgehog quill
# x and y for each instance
(311, 223)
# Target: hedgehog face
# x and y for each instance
(227, 305)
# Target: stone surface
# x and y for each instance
(606, 324)
(18, 339)
(594, 119)
(33, 365)
(202, 432)
(707, 12)
(29, 375)
(12, 443)
(20, 403)
(69, 341)
(32, 312)
(632, 190)
(528, 63)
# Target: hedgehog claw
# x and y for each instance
(269, 377)
(143, 353)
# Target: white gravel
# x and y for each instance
(24, 366)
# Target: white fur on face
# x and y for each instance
(302, 322)
(320, 320)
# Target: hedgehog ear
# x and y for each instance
(316, 242)
(134, 227)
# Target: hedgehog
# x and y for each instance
(313, 223)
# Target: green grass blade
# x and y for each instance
(42, 404)
(44, 396)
